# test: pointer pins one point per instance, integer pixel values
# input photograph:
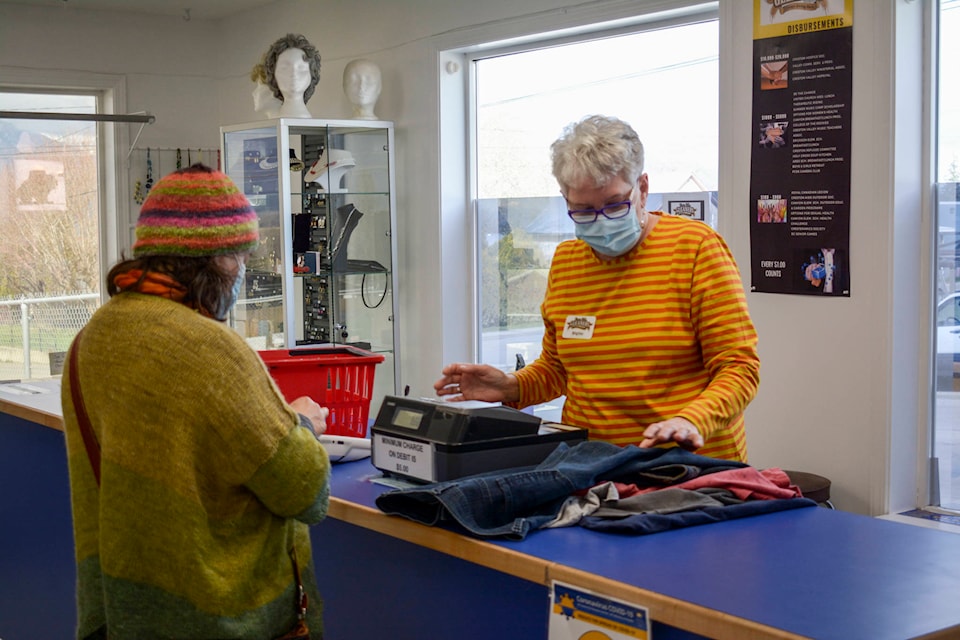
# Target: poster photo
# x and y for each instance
(783, 17)
(40, 185)
(799, 202)
(696, 205)
(578, 614)
(687, 208)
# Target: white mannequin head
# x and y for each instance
(292, 67)
(361, 84)
(292, 74)
(264, 102)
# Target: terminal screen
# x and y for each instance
(407, 418)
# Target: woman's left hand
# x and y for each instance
(679, 430)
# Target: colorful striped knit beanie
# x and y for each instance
(195, 212)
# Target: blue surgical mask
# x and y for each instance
(610, 237)
(237, 286)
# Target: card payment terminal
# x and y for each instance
(436, 440)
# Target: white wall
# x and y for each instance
(171, 66)
(841, 378)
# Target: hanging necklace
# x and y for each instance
(148, 183)
(343, 232)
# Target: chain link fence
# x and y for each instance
(35, 333)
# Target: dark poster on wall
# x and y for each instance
(800, 157)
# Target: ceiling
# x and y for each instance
(192, 9)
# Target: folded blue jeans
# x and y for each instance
(510, 503)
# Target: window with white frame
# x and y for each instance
(524, 99)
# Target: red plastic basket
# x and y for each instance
(337, 377)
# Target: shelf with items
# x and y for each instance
(324, 271)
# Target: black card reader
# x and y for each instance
(453, 422)
(437, 440)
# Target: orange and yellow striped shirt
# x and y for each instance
(660, 332)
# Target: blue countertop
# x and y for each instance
(812, 572)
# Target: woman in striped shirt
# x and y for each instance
(647, 331)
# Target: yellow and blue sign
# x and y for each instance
(576, 614)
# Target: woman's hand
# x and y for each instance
(679, 430)
(317, 415)
(477, 382)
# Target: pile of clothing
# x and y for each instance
(599, 486)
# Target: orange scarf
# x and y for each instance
(155, 284)
(151, 283)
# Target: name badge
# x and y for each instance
(579, 327)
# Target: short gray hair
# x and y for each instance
(597, 148)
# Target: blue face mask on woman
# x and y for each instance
(237, 287)
(238, 284)
(611, 237)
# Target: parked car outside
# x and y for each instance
(948, 343)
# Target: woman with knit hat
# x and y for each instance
(192, 481)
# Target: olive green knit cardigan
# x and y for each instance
(207, 481)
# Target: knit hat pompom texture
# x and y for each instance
(195, 212)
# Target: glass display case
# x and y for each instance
(324, 270)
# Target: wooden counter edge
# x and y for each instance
(942, 634)
(44, 418)
(664, 609)
(448, 542)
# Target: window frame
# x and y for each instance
(458, 179)
(113, 146)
